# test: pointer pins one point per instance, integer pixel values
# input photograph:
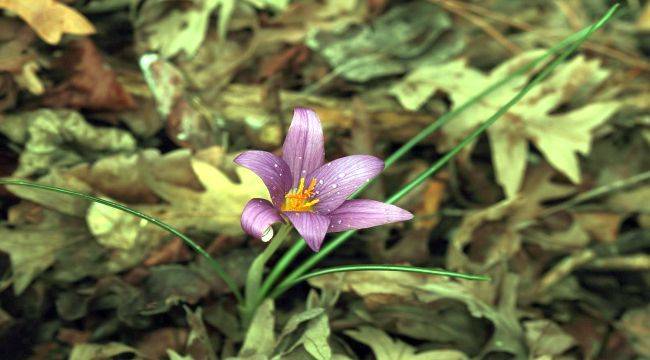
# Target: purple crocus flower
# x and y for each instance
(310, 194)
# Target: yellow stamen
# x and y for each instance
(300, 199)
(301, 186)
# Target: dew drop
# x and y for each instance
(320, 182)
(267, 234)
(334, 186)
(339, 222)
(304, 171)
(275, 165)
(299, 157)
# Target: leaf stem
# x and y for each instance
(230, 282)
(330, 246)
(256, 270)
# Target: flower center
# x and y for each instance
(299, 199)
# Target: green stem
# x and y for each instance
(299, 246)
(230, 282)
(256, 270)
(403, 268)
(330, 246)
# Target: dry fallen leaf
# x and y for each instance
(559, 135)
(49, 18)
(91, 83)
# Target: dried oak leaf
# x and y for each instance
(216, 209)
(91, 84)
(49, 18)
(488, 236)
(558, 136)
(170, 29)
(59, 139)
(34, 248)
(386, 348)
(406, 37)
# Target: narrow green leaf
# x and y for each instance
(215, 264)
(404, 268)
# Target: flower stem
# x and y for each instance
(330, 246)
(299, 246)
(230, 282)
(256, 270)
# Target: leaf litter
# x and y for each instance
(146, 103)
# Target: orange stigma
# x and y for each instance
(298, 199)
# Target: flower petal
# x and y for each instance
(338, 179)
(271, 169)
(257, 218)
(303, 147)
(311, 226)
(364, 213)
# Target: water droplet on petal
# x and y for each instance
(275, 165)
(268, 234)
(334, 186)
(320, 182)
(304, 171)
(339, 222)
(299, 157)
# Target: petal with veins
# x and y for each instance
(364, 213)
(271, 169)
(303, 148)
(338, 179)
(311, 226)
(257, 218)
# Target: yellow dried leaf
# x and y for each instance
(49, 18)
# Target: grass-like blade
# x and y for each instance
(403, 268)
(230, 282)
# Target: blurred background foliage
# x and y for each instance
(146, 102)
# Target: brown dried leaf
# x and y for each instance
(91, 84)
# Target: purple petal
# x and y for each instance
(311, 226)
(271, 169)
(257, 218)
(363, 213)
(303, 147)
(338, 179)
